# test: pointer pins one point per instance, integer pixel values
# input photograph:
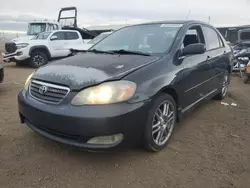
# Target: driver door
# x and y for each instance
(57, 44)
(195, 70)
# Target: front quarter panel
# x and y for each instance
(153, 78)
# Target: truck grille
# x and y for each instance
(10, 47)
(47, 93)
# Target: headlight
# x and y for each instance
(27, 82)
(21, 45)
(106, 93)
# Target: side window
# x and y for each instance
(71, 35)
(193, 35)
(60, 35)
(212, 38)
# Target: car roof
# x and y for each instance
(187, 22)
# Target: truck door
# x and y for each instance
(57, 43)
(73, 38)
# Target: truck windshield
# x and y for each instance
(148, 38)
(36, 28)
(42, 36)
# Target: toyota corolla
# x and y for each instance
(130, 88)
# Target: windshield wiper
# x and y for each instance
(75, 51)
(100, 51)
(122, 51)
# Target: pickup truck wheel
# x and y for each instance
(38, 59)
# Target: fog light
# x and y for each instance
(19, 53)
(106, 140)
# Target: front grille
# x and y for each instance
(47, 93)
(10, 47)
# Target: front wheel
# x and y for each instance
(38, 59)
(246, 79)
(161, 123)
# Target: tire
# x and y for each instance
(224, 88)
(150, 133)
(246, 79)
(22, 63)
(38, 59)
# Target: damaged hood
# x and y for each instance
(88, 69)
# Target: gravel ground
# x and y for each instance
(209, 149)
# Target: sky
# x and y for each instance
(14, 14)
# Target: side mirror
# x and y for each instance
(194, 49)
(53, 38)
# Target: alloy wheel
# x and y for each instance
(225, 85)
(38, 59)
(163, 123)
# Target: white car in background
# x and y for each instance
(44, 47)
(88, 45)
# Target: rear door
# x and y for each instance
(218, 56)
(195, 71)
(57, 46)
(73, 38)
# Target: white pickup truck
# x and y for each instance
(43, 48)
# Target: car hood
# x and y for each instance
(23, 38)
(32, 42)
(88, 69)
(78, 46)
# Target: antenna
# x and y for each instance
(188, 14)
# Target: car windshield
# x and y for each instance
(98, 38)
(36, 28)
(148, 38)
(42, 36)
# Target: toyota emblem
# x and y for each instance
(43, 90)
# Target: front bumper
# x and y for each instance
(19, 55)
(76, 125)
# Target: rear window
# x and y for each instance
(60, 35)
(71, 35)
(212, 38)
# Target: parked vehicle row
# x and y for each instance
(130, 88)
(47, 46)
(46, 40)
(241, 51)
(44, 47)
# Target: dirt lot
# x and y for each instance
(210, 149)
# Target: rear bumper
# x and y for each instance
(76, 125)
